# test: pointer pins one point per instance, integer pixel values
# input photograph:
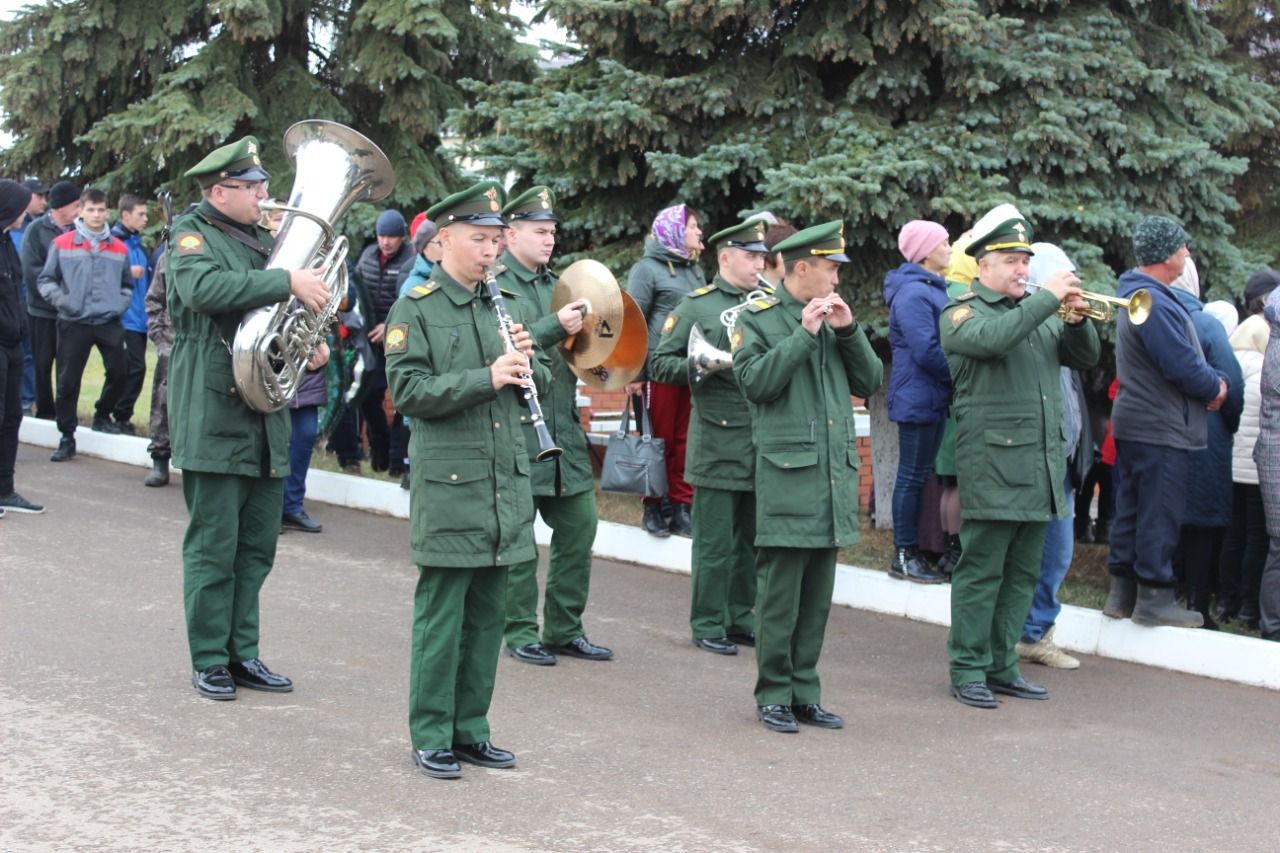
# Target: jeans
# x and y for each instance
(301, 442)
(1151, 498)
(1059, 545)
(917, 448)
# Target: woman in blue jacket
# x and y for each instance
(919, 383)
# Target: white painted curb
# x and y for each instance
(1228, 657)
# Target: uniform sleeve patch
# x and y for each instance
(735, 339)
(959, 315)
(189, 243)
(397, 339)
(669, 324)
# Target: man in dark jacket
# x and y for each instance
(1160, 415)
(133, 220)
(13, 326)
(382, 269)
(64, 206)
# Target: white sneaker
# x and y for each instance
(1046, 653)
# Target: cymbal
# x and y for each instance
(592, 281)
(627, 359)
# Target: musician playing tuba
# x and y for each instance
(720, 456)
(233, 458)
(471, 508)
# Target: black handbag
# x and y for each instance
(634, 464)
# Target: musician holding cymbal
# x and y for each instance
(720, 457)
(471, 509)
(233, 459)
(798, 356)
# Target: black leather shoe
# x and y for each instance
(1020, 687)
(484, 754)
(581, 647)
(66, 450)
(254, 674)
(654, 523)
(777, 718)
(950, 557)
(437, 763)
(747, 639)
(716, 645)
(214, 682)
(300, 521)
(909, 565)
(534, 653)
(126, 427)
(814, 715)
(159, 475)
(681, 523)
(976, 694)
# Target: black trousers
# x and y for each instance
(375, 420)
(75, 342)
(43, 333)
(1244, 552)
(10, 412)
(1151, 498)
(135, 353)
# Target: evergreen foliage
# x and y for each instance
(1086, 114)
(127, 95)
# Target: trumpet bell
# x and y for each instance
(705, 358)
(1139, 307)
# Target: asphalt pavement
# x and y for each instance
(105, 746)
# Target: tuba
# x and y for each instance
(336, 167)
(705, 358)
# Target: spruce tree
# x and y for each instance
(127, 95)
(1087, 115)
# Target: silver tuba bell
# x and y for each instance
(705, 358)
(335, 168)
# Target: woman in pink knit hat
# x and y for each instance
(919, 383)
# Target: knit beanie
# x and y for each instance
(14, 198)
(1261, 283)
(390, 224)
(423, 235)
(1155, 239)
(62, 194)
(918, 238)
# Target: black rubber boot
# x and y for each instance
(1157, 605)
(1120, 600)
(159, 475)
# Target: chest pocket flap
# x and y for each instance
(455, 472)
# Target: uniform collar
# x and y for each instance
(208, 211)
(459, 294)
(523, 274)
(728, 288)
(990, 296)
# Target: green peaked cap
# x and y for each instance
(820, 241)
(1002, 229)
(538, 203)
(478, 204)
(238, 160)
(747, 235)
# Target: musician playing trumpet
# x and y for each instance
(720, 455)
(471, 509)
(1004, 349)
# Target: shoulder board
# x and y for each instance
(968, 294)
(702, 291)
(768, 290)
(422, 290)
(755, 306)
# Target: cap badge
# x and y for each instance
(492, 195)
(252, 148)
(1022, 231)
(546, 199)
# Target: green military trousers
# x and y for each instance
(457, 634)
(792, 602)
(227, 553)
(724, 563)
(991, 591)
(572, 519)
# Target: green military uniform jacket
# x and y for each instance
(1004, 358)
(213, 279)
(806, 452)
(720, 453)
(470, 502)
(570, 474)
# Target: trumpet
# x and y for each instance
(1103, 307)
(547, 448)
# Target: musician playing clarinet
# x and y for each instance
(463, 385)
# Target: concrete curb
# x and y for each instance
(1228, 657)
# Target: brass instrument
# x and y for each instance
(547, 448)
(336, 167)
(1103, 307)
(610, 351)
(705, 358)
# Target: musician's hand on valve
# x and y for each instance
(813, 314)
(522, 339)
(319, 358)
(1062, 284)
(510, 369)
(309, 289)
(841, 314)
(570, 316)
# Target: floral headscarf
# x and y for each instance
(668, 230)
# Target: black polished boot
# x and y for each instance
(159, 475)
(951, 557)
(909, 565)
(681, 523)
(654, 523)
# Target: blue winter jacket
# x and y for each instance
(419, 275)
(919, 379)
(134, 319)
(1209, 470)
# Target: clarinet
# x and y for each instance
(528, 393)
